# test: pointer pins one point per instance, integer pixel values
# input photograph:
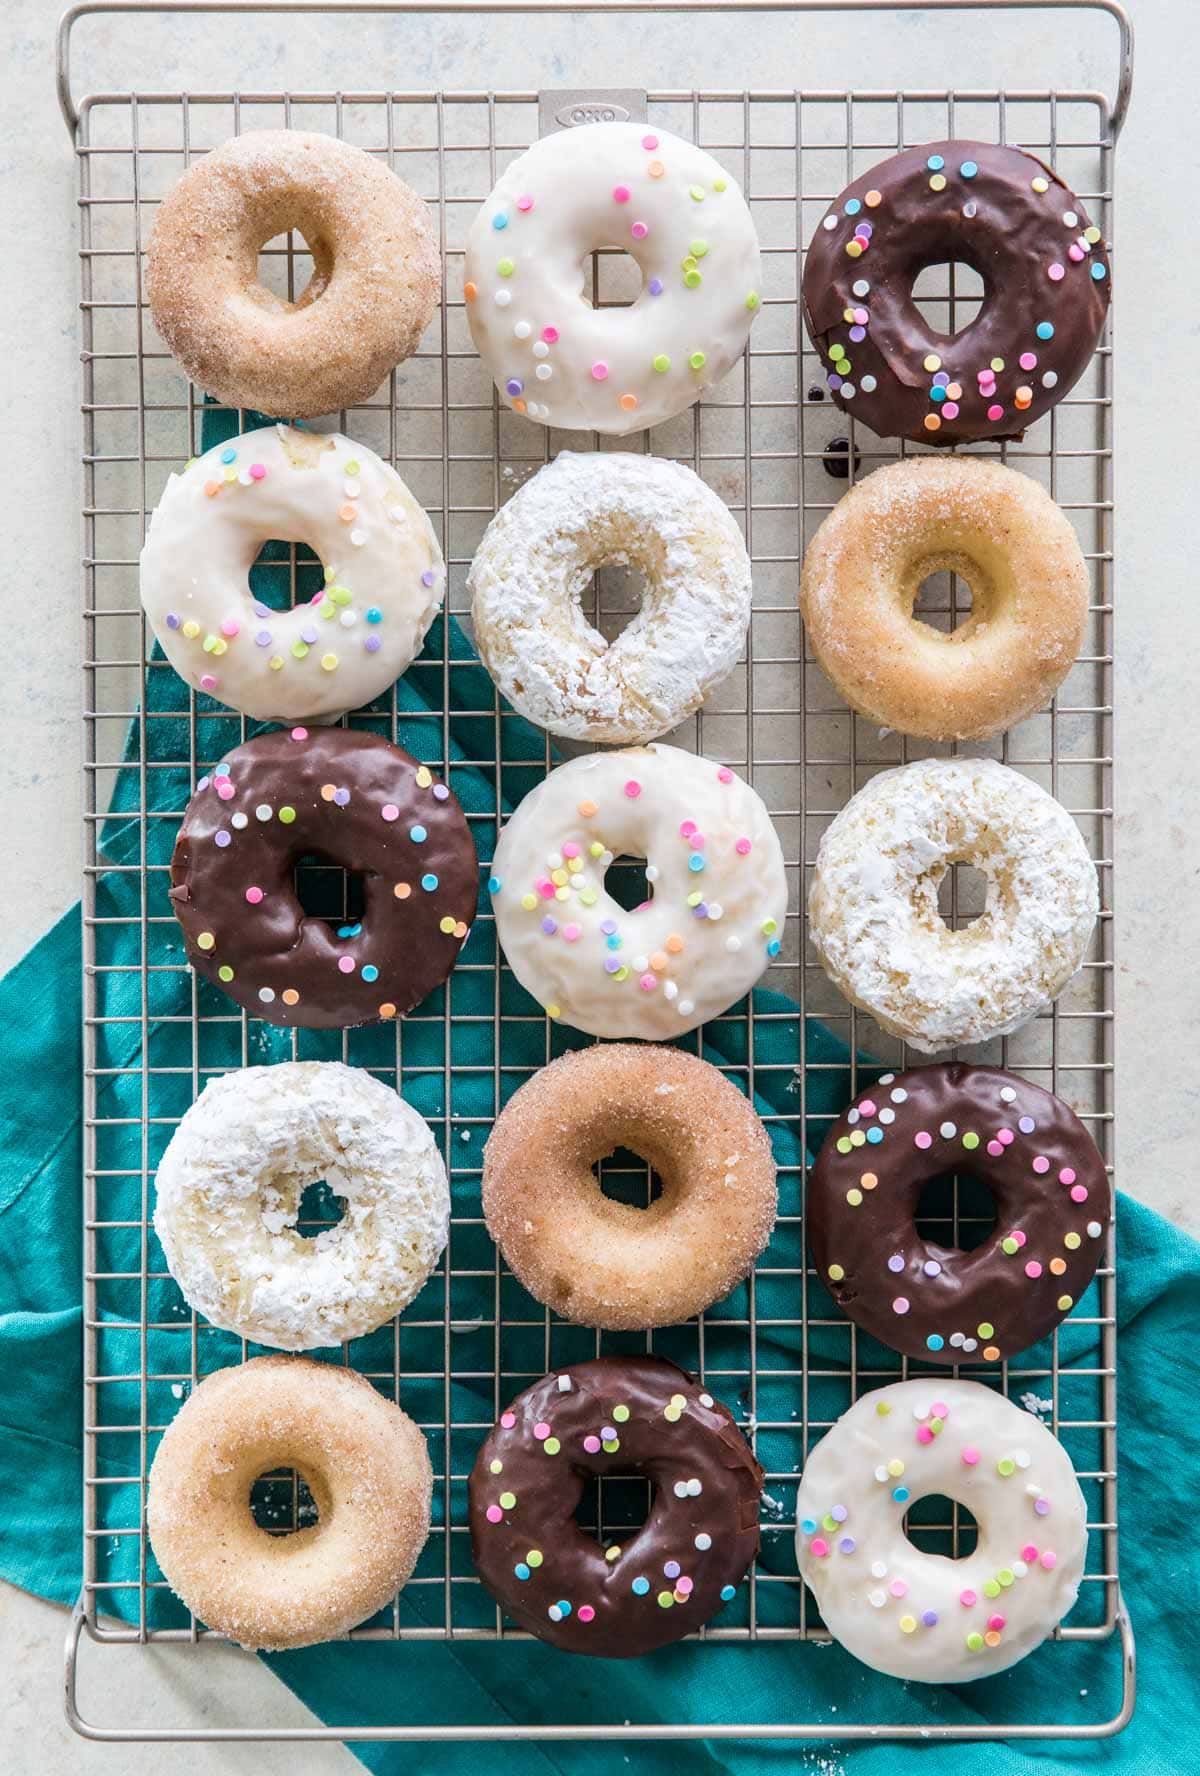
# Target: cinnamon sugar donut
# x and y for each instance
(374, 287)
(1029, 588)
(364, 1462)
(604, 1263)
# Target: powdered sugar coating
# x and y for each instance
(384, 574)
(873, 912)
(366, 1466)
(229, 1187)
(374, 287)
(921, 1615)
(581, 512)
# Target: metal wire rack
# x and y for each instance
(769, 442)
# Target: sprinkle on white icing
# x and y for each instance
(536, 558)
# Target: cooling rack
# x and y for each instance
(773, 447)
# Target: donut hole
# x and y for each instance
(291, 273)
(318, 1210)
(948, 294)
(614, 598)
(625, 882)
(936, 1524)
(327, 890)
(962, 895)
(610, 278)
(281, 1502)
(286, 574)
(625, 1177)
(613, 1508)
(955, 1213)
(944, 601)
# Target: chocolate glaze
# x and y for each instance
(271, 946)
(700, 1443)
(1011, 238)
(988, 1287)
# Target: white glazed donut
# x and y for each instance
(384, 576)
(229, 1188)
(539, 551)
(715, 868)
(923, 1615)
(873, 906)
(673, 209)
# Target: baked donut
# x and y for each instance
(228, 1193)
(364, 1462)
(718, 892)
(614, 1415)
(375, 282)
(676, 212)
(1053, 1204)
(384, 574)
(1045, 280)
(604, 1263)
(921, 1615)
(348, 798)
(538, 554)
(873, 907)
(1029, 591)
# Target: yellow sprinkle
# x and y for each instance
(206, 940)
(329, 662)
(854, 1197)
(1040, 184)
(895, 1467)
(933, 362)
(447, 925)
(937, 183)
(191, 630)
(276, 662)
(424, 777)
(553, 1011)
(836, 1273)
(495, 1466)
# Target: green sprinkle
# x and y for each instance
(225, 972)
(506, 268)
(752, 300)
(692, 280)
(970, 1140)
(696, 192)
(662, 363)
(697, 360)
(699, 248)
(287, 815)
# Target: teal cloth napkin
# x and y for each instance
(41, 1316)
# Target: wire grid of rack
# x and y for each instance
(769, 441)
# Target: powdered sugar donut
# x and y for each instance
(577, 514)
(673, 209)
(228, 1194)
(384, 575)
(718, 892)
(920, 1615)
(873, 908)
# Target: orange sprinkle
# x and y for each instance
(628, 403)
(347, 513)
(387, 1009)
(328, 791)
(990, 1353)
(932, 423)
(869, 1180)
(587, 809)
(954, 391)
(1023, 396)
(873, 198)
(290, 996)
(658, 961)
(470, 292)
(519, 406)
(1057, 1266)
(656, 169)
(460, 930)
(212, 488)
(402, 890)
(674, 943)
(991, 1638)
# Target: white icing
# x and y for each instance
(199, 551)
(537, 556)
(848, 1470)
(697, 226)
(690, 974)
(229, 1187)
(873, 912)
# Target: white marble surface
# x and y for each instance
(1158, 357)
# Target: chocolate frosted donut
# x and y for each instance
(616, 1415)
(1046, 290)
(1053, 1202)
(345, 798)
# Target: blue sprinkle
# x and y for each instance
(773, 947)
(220, 770)
(874, 1136)
(935, 1341)
(349, 930)
(935, 163)
(417, 834)
(614, 942)
(1098, 271)
(853, 206)
(229, 454)
(521, 1570)
(809, 1526)
(493, 884)
(564, 1606)
(429, 883)
(641, 1586)
(968, 169)
(374, 615)
(695, 863)
(500, 219)
(728, 1591)
(370, 972)
(1045, 330)
(900, 1494)
(936, 393)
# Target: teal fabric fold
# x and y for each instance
(41, 1318)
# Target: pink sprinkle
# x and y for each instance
(900, 1304)
(1049, 1560)
(346, 964)
(924, 1434)
(986, 375)
(1019, 1236)
(898, 1588)
(586, 1612)
(970, 1455)
(1033, 1268)
(546, 889)
(570, 850)
(686, 828)
(995, 1623)
(494, 1514)
(1029, 1553)
(649, 143)
(1041, 1164)
(1075, 252)
(299, 733)
(620, 194)
(390, 811)
(229, 628)
(633, 789)
(820, 1547)
(648, 983)
(524, 203)
(923, 1140)
(867, 1107)
(258, 471)
(224, 787)
(995, 1149)
(742, 847)
(639, 230)
(724, 774)
(1067, 1175)
(208, 682)
(541, 1431)
(508, 1420)
(1005, 1136)
(599, 372)
(995, 411)
(1028, 360)
(939, 1409)
(254, 895)
(1078, 1193)
(967, 1598)
(685, 1585)
(592, 1445)
(550, 335)
(861, 317)
(1056, 272)
(950, 409)
(571, 933)
(317, 598)
(698, 841)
